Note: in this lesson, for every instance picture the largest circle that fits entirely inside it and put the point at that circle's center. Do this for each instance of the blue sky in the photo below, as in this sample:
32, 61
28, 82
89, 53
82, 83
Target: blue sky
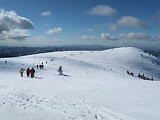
59, 22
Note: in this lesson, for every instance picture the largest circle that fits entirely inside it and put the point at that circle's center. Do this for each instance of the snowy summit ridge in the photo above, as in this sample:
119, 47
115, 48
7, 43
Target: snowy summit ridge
95, 85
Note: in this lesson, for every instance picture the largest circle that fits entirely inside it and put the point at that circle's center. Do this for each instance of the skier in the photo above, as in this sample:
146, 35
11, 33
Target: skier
28, 72
21, 72
32, 71
60, 70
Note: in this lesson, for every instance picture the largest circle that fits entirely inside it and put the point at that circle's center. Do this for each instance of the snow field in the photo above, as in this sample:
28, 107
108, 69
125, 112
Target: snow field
97, 86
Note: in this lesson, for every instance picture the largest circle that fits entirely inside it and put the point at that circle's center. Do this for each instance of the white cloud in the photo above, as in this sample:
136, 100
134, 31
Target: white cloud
48, 13
84, 37
156, 38
33, 41
102, 10
13, 26
128, 21
16, 34
139, 36
106, 36
54, 31
10, 20
103, 36
129, 36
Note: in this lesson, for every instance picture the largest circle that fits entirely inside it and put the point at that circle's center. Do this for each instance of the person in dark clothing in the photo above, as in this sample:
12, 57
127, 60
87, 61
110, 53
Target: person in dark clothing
60, 70
32, 71
28, 72
37, 66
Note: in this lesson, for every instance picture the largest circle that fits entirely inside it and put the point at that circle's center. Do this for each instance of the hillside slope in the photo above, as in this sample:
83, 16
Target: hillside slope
97, 86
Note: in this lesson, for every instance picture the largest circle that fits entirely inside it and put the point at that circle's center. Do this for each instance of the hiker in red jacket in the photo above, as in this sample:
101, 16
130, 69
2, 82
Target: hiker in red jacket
28, 72
32, 71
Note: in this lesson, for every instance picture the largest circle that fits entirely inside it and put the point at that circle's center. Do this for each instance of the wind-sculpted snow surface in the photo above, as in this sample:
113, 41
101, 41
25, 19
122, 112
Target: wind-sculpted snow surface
25, 106
94, 86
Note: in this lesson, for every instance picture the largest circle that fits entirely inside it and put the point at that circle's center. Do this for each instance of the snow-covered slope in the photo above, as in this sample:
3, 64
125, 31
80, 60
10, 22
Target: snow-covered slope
97, 86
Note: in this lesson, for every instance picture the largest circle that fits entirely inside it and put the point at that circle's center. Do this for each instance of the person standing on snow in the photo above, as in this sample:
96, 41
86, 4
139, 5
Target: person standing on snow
32, 71
60, 70
37, 66
28, 72
21, 72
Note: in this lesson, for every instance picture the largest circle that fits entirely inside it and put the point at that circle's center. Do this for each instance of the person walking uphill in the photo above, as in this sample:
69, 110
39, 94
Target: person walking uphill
32, 71
28, 72
21, 72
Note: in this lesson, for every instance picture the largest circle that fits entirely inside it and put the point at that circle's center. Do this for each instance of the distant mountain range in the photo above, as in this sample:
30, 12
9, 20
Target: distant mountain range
6, 51
12, 51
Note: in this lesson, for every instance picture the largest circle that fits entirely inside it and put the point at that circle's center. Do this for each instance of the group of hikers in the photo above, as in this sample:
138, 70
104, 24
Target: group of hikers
29, 72
41, 66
